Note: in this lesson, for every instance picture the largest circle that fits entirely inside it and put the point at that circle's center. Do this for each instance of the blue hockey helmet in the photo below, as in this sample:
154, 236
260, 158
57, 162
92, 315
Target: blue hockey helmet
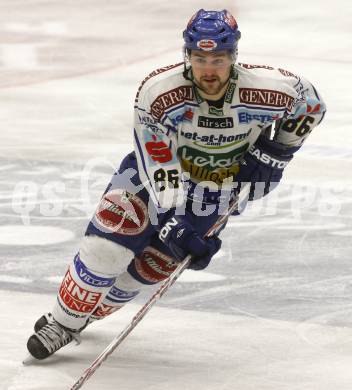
212, 31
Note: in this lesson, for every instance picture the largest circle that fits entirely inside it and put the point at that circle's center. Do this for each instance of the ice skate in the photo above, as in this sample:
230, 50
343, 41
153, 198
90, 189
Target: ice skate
48, 338
43, 320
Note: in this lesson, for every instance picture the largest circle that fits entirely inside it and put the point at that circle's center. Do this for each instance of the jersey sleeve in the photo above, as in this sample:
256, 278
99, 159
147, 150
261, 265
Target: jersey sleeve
307, 112
156, 151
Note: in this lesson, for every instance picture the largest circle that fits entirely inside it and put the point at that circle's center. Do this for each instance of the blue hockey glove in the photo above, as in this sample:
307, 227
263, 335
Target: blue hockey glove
262, 166
182, 239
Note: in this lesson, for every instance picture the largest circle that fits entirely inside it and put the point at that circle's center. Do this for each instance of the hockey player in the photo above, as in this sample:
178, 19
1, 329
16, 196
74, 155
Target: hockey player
199, 125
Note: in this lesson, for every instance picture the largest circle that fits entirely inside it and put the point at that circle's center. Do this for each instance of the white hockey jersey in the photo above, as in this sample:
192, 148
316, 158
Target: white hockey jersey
178, 135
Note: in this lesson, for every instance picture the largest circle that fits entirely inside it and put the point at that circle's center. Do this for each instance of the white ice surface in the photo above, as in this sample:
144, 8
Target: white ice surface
274, 311
175, 349
33, 235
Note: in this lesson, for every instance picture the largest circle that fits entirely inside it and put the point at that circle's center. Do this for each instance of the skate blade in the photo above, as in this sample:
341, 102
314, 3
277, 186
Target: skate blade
29, 360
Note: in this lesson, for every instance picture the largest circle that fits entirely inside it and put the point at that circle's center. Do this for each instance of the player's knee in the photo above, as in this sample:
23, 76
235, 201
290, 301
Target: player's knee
104, 256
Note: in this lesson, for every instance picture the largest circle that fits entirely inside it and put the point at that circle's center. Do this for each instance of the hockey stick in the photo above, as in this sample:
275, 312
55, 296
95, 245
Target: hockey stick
243, 195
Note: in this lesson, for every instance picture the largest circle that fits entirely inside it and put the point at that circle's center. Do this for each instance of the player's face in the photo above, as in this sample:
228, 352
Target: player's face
211, 71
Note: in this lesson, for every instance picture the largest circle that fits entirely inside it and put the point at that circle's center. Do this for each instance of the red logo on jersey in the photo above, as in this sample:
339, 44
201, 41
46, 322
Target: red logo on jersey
154, 265
287, 73
313, 109
158, 150
265, 97
76, 297
188, 115
122, 212
251, 66
169, 99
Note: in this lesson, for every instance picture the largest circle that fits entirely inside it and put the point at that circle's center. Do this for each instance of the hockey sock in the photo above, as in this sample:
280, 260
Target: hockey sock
81, 292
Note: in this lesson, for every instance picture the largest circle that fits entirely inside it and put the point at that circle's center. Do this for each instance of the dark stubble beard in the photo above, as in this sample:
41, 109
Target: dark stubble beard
203, 86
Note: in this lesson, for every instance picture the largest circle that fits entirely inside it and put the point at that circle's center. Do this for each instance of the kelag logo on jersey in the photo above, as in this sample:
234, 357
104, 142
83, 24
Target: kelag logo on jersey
215, 123
214, 167
211, 161
246, 116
